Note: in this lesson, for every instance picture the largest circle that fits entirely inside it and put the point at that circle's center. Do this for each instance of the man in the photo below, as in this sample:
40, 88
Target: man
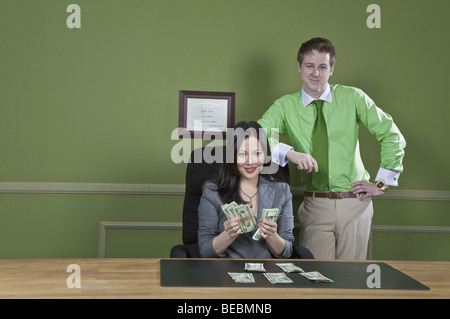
322, 122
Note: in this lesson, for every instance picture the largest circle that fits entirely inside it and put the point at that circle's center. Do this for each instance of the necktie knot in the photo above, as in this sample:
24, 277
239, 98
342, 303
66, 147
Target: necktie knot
318, 104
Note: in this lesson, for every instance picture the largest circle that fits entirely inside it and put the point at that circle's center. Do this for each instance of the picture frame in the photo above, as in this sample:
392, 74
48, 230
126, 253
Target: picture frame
207, 112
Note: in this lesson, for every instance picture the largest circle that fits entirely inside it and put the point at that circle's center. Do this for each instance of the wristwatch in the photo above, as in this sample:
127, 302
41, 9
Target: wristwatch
381, 186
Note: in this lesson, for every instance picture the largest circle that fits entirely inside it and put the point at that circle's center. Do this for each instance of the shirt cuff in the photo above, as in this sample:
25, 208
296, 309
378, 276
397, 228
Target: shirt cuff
387, 176
279, 154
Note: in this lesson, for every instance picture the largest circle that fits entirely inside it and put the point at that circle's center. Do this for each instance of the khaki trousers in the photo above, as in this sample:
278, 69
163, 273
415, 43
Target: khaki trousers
336, 228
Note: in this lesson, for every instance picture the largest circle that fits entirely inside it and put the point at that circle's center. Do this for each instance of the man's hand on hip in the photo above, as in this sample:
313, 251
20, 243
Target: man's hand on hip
367, 189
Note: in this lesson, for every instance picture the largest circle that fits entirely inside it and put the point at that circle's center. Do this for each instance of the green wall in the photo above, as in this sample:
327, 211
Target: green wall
99, 104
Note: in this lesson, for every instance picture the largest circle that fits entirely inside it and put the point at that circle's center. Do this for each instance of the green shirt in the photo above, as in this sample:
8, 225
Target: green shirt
349, 108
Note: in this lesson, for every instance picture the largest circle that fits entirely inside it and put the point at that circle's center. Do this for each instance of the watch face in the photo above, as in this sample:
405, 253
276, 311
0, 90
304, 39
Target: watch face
380, 184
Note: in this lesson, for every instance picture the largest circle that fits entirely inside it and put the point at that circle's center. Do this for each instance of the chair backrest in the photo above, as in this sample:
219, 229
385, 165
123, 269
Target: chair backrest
197, 173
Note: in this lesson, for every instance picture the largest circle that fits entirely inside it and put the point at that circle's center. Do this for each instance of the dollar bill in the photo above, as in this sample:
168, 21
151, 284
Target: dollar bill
248, 221
289, 267
256, 267
316, 276
242, 277
278, 278
270, 214
228, 210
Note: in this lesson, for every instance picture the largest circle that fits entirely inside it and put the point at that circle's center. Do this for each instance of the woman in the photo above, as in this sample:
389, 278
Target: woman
241, 181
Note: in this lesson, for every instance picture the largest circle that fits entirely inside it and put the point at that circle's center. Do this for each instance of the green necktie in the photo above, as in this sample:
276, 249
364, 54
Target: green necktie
320, 150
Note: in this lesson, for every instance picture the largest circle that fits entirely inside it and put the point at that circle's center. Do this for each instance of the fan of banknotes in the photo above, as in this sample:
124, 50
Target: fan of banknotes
247, 220
275, 278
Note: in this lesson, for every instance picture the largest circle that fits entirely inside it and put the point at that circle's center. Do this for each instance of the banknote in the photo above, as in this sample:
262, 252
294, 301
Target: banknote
289, 267
270, 214
256, 267
242, 277
278, 278
316, 276
228, 210
247, 220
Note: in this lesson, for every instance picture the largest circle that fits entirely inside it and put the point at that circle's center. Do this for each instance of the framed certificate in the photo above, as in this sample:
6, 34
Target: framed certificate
205, 112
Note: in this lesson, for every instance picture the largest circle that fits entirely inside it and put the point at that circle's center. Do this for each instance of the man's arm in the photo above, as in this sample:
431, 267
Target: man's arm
382, 126
273, 121
304, 162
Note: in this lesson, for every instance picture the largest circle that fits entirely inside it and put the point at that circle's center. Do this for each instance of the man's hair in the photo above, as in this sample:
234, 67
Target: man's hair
319, 44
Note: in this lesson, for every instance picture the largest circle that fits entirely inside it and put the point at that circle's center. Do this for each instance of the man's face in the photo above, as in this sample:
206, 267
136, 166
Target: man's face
315, 71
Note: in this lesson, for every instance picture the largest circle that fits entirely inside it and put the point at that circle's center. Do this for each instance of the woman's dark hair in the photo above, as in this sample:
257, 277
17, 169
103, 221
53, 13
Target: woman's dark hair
228, 179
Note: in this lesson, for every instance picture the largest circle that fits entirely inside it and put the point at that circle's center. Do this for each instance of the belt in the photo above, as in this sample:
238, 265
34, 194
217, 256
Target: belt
336, 195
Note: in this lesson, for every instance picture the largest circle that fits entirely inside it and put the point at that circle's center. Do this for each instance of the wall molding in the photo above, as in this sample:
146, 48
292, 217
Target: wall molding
411, 229
404, 229
177, 190
104, 226
402, 194
91, 188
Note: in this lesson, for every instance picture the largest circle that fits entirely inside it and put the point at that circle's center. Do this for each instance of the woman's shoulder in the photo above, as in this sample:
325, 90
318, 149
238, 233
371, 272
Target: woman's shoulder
277, 184
211, 194
273, 181
210, 188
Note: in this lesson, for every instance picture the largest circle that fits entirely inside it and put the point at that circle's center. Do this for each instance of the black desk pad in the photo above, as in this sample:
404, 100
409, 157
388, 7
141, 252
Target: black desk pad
347, 275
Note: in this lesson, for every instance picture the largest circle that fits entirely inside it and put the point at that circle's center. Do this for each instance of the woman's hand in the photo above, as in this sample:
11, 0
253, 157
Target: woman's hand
269, 233
232, 227
267, 228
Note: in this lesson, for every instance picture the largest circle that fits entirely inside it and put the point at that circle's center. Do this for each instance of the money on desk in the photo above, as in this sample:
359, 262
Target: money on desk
316, 276
242, 277
289, 267
270, 214
247, 220
254, 267
278, 278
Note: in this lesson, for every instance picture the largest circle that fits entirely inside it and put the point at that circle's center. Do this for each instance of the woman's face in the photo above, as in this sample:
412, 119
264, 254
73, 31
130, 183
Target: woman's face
250, 158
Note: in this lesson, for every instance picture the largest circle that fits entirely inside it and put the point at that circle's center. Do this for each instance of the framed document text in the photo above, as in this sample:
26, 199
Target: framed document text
210, 112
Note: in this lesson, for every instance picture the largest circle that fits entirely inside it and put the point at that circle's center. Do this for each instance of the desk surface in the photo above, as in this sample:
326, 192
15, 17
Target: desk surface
140, 278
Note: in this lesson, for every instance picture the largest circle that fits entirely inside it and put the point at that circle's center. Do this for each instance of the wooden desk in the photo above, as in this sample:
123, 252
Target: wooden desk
140, 278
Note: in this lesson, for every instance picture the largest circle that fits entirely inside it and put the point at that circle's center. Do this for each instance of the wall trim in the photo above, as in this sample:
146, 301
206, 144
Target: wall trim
403, 194
177, 190
104, 226
411, 229
91, 188
404, 229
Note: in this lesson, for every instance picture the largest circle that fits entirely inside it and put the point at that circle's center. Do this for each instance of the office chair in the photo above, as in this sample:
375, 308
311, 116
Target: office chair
196, 175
